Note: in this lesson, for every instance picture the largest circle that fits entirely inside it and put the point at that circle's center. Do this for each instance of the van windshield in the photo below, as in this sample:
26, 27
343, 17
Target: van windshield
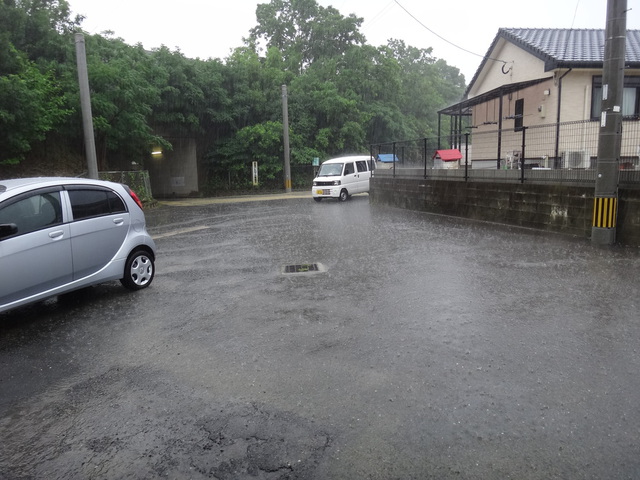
330, 169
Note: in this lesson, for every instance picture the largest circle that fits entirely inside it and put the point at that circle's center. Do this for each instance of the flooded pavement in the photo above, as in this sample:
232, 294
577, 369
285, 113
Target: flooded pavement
430, 347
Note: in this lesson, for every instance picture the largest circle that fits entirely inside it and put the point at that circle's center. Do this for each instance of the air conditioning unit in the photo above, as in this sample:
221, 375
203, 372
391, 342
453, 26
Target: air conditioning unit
576, 159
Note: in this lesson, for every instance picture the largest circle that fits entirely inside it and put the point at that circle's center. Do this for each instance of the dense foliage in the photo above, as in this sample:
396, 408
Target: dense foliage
343, 94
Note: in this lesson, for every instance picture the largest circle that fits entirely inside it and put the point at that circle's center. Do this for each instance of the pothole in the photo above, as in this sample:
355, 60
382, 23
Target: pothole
303, 268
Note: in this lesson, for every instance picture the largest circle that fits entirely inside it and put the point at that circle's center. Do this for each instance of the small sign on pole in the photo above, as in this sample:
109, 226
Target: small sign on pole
254, 172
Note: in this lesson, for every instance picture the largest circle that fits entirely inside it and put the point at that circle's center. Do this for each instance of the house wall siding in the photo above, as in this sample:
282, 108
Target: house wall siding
557, 208
539, 109
521, 67
576, 95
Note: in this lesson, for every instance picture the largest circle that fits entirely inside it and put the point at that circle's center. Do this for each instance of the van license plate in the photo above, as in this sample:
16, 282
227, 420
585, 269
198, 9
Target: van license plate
320, 192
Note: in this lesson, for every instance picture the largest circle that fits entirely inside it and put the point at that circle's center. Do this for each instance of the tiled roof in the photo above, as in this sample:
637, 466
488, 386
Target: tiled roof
569, 45
564, 47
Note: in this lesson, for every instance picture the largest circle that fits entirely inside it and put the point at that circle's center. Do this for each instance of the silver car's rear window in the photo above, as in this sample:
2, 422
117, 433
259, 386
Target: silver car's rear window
86, 203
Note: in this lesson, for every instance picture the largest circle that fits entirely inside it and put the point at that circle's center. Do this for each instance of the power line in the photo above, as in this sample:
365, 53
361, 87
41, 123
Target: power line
447, 41
575, 14
380, 14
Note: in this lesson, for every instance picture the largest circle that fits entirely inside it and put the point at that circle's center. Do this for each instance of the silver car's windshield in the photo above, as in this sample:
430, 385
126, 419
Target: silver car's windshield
330, 169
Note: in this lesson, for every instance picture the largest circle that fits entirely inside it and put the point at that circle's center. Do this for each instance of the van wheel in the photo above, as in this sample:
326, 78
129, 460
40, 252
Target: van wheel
317, 199
139, 270
344, 195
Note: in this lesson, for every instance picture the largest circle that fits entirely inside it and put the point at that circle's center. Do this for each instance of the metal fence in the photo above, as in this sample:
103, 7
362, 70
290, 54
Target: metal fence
138, 181
240, 180
556, 153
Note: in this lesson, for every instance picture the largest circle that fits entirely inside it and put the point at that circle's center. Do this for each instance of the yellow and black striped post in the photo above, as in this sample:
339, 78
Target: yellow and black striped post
605, 212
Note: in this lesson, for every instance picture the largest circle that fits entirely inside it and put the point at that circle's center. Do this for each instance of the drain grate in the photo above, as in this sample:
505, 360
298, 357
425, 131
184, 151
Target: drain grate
304, 268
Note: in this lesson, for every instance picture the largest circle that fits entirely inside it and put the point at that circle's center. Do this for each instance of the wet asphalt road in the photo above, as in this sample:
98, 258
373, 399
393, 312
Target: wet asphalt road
430, 348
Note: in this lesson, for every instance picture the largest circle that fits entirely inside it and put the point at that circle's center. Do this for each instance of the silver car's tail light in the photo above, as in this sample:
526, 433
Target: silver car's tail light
136, 199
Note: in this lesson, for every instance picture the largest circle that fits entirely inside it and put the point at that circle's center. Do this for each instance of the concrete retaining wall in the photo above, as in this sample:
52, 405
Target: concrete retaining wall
558, 208
174, 173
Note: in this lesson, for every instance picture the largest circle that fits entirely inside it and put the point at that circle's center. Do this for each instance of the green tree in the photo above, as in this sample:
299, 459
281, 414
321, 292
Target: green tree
427, 85
305, 32
38, 28
343, 94
181, 98
244, 85
215, 117
125, 85
324, 115
194, 100
30, 106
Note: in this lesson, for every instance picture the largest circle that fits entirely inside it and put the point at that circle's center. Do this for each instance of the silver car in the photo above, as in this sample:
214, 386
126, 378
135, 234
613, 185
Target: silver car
62, 234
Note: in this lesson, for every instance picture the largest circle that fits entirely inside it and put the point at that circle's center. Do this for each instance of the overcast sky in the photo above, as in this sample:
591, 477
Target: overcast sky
212, 28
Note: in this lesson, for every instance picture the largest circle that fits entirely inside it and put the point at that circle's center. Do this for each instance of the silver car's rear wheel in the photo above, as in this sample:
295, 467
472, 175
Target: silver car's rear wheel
139, 270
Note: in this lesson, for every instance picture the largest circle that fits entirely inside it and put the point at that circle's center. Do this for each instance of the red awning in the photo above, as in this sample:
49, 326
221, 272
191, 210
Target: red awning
448, 155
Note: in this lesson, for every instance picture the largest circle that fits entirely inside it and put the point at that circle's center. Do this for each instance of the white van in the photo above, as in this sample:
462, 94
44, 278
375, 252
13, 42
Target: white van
342, 177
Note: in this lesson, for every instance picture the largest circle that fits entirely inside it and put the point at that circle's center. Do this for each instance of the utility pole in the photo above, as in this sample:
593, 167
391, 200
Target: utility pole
85, 104
285, 122
605, 207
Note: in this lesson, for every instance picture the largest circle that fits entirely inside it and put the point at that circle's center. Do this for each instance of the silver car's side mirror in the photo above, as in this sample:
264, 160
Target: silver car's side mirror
8, 229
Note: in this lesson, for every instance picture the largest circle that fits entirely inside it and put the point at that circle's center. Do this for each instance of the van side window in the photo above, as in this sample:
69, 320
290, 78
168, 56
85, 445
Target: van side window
348, 168
362, 165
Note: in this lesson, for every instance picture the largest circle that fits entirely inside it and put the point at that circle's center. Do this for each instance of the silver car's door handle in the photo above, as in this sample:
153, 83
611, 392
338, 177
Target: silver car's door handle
118, 221
56, 234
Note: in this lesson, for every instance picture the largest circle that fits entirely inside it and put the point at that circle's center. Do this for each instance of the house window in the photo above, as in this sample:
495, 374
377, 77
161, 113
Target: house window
630, 98
519, 115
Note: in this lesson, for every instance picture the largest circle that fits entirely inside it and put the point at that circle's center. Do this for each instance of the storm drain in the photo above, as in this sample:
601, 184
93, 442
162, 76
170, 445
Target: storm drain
302, 268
